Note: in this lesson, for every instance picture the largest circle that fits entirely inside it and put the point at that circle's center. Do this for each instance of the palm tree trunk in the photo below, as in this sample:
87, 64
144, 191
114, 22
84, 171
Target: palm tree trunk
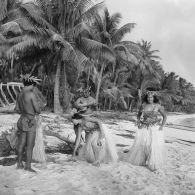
130, 105
66, 91
12, 68
57, 106
104, 107
99, 83
140, 90
110, 104
33, 68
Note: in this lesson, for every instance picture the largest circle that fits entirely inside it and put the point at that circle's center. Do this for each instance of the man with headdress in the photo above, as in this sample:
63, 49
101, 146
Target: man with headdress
28, 106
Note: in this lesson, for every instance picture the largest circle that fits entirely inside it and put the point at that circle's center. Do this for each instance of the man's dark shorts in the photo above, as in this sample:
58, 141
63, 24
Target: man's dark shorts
27, 123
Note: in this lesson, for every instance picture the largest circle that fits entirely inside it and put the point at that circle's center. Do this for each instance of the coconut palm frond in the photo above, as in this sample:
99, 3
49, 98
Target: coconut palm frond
126, 91
69, 54
12, 14
3, 9
121, 32
90, 13
11, 27
127, 85
84, 60
26, 43
59, 39
83, 5
111, 92
105, 36
97, 24
168, 96
115, 20
2, 38
27, 27
15, 40
150, 82
118, 95
48, 8
155, 57
42, 4
187, 101
133, 47
80, 28
24, 23
122, 47
30, 10
97, 48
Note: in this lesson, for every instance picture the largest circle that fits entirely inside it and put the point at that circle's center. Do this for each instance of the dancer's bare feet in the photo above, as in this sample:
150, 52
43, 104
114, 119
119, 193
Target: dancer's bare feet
20, 166
96, 163
29, 169
73, 159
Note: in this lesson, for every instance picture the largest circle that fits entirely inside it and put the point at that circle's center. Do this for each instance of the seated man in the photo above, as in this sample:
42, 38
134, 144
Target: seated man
83, 105
85, 102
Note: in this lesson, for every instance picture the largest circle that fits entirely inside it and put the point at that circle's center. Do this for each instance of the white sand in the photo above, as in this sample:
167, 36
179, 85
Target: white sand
63, 177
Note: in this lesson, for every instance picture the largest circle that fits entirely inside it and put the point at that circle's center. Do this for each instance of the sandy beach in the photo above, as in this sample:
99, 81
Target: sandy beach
59, 176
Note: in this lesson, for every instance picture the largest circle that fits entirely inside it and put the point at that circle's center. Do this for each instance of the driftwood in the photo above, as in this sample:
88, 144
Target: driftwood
51, 132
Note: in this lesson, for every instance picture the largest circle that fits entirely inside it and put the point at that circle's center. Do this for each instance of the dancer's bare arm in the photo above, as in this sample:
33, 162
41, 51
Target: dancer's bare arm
139, 114
82, 102
35, 104
78, 139
16, 109
163, 113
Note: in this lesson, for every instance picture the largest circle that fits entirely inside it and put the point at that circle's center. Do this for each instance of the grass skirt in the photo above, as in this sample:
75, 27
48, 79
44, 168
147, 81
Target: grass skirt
147, 149
91, 152
39, 148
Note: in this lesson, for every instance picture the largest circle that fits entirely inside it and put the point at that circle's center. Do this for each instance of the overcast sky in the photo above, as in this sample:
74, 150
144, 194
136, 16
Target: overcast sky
168, 24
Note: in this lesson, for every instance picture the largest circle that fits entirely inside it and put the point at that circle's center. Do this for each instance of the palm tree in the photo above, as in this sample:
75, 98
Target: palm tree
105, 29
60, 27
186, 91
169, 91
8, 30
145, 69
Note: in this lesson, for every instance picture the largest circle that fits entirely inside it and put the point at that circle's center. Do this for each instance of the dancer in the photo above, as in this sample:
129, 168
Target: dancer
28, 106
148, 146
98, 147
83, 104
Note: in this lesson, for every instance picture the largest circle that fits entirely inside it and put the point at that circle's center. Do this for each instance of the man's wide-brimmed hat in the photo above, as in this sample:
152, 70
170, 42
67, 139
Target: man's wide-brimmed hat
30, 78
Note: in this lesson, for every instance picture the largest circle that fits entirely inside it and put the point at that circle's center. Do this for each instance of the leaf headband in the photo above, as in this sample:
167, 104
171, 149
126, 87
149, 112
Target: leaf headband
29, 78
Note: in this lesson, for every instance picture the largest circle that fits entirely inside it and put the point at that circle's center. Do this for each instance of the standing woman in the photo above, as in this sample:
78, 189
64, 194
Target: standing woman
148, 146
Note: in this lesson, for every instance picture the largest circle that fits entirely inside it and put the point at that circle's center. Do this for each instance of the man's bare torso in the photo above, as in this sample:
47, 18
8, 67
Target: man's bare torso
26, 103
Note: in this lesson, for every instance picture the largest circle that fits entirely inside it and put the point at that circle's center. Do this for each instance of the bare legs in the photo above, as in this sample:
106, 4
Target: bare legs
28, 139
29, 149
22, 143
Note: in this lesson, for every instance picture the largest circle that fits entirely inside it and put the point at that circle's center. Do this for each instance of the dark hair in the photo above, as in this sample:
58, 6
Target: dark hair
145, 98
77, 116
28, 82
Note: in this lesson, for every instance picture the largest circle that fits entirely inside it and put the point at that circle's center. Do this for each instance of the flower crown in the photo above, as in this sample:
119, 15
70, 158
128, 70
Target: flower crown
29, 78
150, 93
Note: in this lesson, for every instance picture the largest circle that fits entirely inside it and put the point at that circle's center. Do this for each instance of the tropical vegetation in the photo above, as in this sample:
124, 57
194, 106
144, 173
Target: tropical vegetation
64, 42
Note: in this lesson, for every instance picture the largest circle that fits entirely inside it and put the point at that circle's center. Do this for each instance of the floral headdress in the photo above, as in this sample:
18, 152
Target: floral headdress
29, 78
82, 92
150, 93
